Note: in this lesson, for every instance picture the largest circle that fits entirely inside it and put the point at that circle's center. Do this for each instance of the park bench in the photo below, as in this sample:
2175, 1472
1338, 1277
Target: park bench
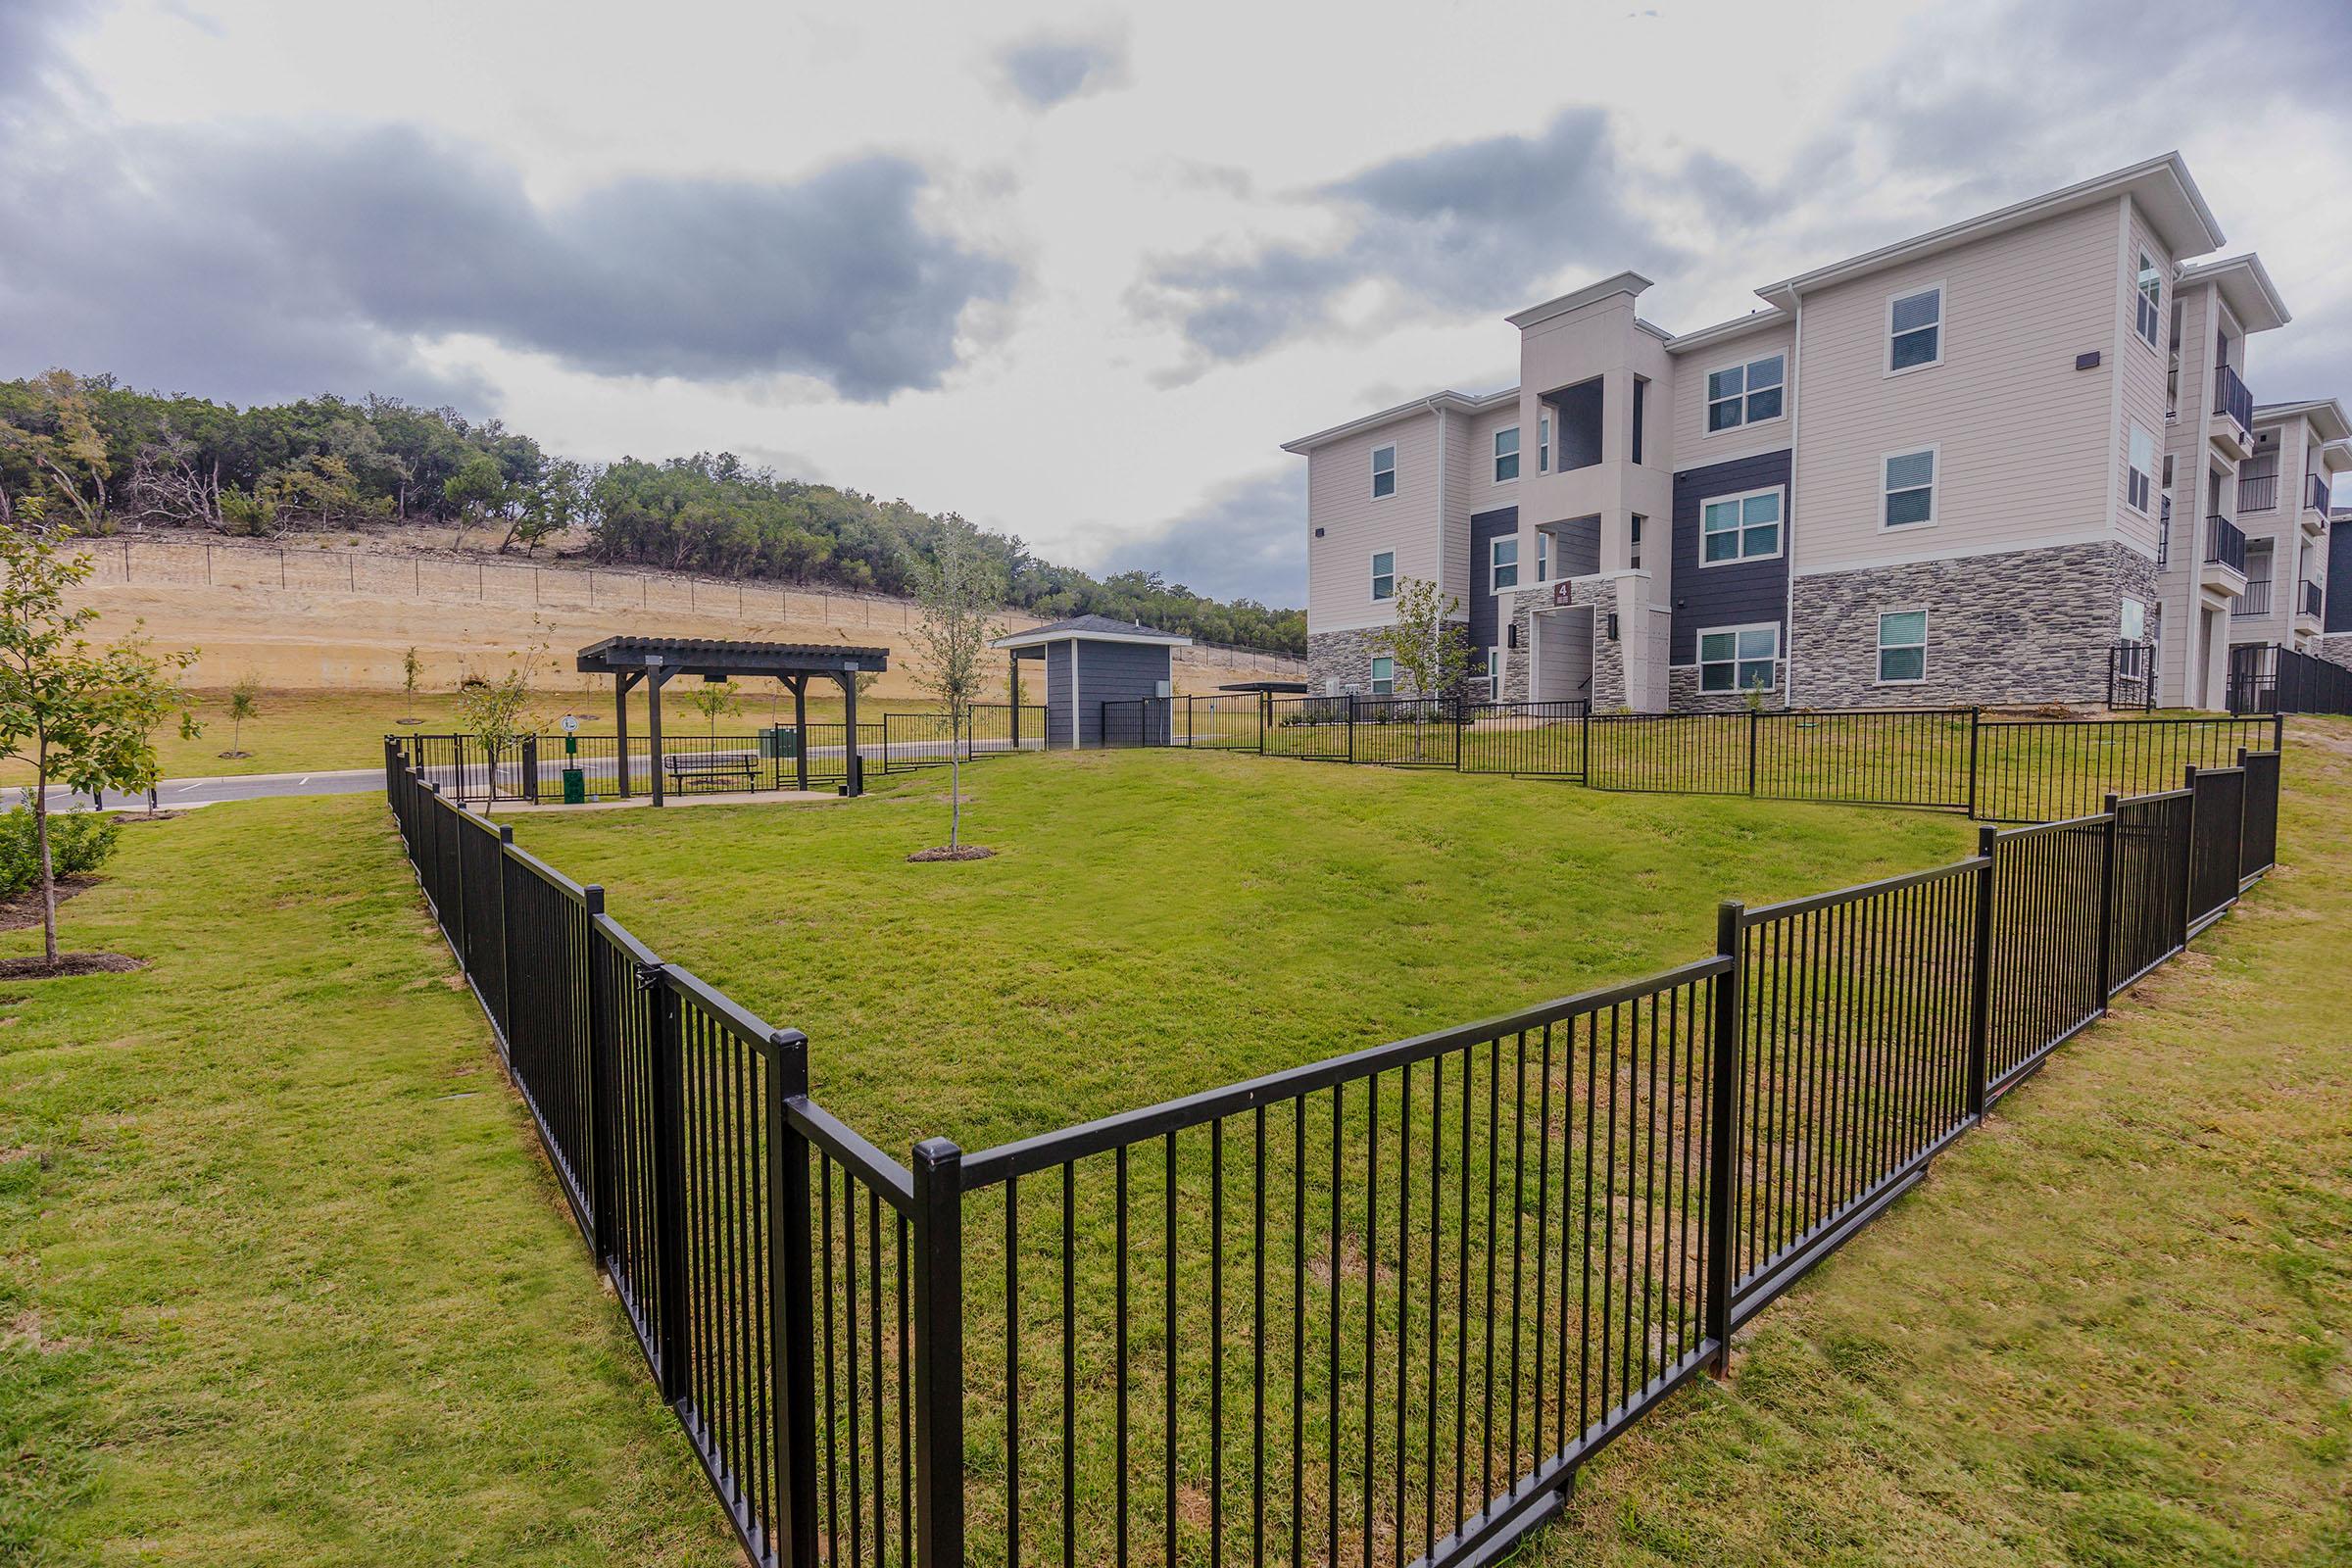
719, 767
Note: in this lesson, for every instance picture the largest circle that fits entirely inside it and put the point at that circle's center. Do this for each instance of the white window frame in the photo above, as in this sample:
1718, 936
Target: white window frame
1707, 385
1878, 646
2153, 331
1741, 499
1382, 685
1379, 493
1543, 444
1935, 452
1542, 556
1373, 586
1495, 562
2123, 618
1494, 674
2145, 506
1701, 662
1944, 328
1512, 431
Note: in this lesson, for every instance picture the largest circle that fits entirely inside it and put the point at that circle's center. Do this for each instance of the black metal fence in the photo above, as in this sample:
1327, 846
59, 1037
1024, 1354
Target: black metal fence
1943, 759
1376, 1308
2269, 678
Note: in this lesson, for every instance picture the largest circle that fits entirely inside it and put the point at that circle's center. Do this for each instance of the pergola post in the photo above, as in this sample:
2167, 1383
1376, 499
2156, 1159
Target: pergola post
655, 677
621, 724
800, 727
849, 708
1013, 658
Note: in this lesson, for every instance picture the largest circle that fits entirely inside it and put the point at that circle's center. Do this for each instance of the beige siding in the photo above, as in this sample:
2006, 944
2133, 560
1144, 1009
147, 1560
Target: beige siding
2140, 376
1339, 502
2022, 435
1692, 446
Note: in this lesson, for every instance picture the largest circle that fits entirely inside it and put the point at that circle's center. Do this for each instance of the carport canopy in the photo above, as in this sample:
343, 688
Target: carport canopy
657, 660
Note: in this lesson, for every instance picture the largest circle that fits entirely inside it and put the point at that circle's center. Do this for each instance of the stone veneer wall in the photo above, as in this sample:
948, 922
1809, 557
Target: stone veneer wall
1346, 657
1684, 696
2027, 626
2336, 649
1608, 658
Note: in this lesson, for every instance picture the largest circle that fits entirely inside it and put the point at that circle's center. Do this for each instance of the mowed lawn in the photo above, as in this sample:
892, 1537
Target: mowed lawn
1153, 924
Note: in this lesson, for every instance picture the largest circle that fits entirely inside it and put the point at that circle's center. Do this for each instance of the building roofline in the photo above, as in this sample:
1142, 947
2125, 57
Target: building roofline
1449, 400
1720, 331
2191, 230
1628, 282
2246, 288
2327, 412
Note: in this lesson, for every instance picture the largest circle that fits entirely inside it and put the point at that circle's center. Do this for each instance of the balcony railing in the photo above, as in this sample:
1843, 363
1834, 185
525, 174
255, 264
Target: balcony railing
2311, 601
2319, 497
2257, 492
2164, 533
2231, 396
2255, 600
2224, 544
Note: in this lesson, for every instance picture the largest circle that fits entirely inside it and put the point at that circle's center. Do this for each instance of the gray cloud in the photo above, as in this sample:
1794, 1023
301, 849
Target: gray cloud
1055, 67
1474, 226
1248, 539
255, 266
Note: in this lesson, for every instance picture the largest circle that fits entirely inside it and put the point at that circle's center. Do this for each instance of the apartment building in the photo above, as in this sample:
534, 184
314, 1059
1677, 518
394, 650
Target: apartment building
1962, 468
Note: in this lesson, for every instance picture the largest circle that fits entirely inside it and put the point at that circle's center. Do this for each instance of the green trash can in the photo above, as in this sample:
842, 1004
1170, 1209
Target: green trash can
781, 743
575, 787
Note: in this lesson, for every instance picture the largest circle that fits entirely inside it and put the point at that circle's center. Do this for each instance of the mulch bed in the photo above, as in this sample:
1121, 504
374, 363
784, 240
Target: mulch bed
70, 963
963, 852
23, 909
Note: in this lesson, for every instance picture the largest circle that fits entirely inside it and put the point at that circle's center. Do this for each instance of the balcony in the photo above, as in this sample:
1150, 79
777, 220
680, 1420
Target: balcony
2255, 600
2222, 576
2316, 497
2309, 602
2257, 492
2163, 534
2233, 412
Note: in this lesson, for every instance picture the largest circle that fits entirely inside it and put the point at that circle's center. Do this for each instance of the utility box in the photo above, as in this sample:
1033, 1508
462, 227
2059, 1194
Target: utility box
575, 787
781, 742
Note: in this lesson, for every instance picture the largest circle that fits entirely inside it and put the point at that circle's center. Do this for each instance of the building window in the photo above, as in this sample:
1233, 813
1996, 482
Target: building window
1902, 647
1739, 658
1909, 479
1915, 330
1384, 471
1544, 446
1744, 394
2133, 627
2148, 294
1741, 527
1493, 675
1384, 675
1634, 557
2139, 480
1506, 455
1503, 561
1384, 574
1542, 556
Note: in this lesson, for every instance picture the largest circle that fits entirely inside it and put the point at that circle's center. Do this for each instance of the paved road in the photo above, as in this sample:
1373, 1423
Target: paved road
177, 792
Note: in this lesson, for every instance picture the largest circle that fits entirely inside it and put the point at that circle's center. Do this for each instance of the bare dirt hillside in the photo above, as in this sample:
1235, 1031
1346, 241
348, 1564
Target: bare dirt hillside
342, 613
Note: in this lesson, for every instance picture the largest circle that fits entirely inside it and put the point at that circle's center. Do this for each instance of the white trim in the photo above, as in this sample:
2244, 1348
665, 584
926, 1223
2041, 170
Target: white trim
2139, 291
1699, 662
1515, 454
1373, 680
1738, 326
1459, 401
2133, 428
1372, 484
1779, 526
1042, 638
1943, 312
1878, 652
1493, 566
1372, 576
1707, 400
1796, 344
1934, 487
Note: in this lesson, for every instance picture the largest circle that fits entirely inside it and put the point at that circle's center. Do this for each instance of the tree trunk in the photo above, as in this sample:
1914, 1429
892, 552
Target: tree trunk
954, 795
40, 835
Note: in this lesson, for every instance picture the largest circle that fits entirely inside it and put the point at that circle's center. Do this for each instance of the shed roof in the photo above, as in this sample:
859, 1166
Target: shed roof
1092, 628
717, 657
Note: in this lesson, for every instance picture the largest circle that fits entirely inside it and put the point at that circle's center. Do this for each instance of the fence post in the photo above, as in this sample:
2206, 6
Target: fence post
1753, 719
939, 1353
1976, 725
1351, 726
1979, 984
668, 1063
601, 1138
506, 941
1585, 733
2107, 894
2278, 731
792, 1318
1723, 1154
530, 765
2189, 857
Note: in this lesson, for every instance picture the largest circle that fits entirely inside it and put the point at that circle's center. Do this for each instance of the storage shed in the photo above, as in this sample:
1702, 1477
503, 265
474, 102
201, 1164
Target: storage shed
1090, 660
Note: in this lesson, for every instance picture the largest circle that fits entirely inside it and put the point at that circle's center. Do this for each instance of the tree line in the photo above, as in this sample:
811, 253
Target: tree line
103, 457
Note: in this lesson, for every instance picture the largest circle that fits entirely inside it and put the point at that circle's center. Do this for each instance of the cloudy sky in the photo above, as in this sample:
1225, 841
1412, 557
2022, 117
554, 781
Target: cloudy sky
1071, 271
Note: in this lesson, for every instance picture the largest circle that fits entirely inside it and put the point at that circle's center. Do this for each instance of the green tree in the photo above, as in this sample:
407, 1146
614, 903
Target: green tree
496, 713
1431, 648
477, 492
714, 699
412, 670
957, 587
244, 703
79, 714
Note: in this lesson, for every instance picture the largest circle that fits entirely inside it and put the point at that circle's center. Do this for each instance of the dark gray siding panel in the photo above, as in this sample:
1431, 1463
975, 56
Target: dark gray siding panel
1579, 543
1484, 619
1111, 673
1057, 696
2338, 608
1736, 592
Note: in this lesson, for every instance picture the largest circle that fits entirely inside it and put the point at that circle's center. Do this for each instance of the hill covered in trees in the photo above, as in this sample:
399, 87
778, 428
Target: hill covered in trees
100, 457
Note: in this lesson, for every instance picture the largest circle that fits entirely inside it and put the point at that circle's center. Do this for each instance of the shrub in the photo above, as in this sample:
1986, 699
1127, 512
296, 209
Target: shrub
78, 841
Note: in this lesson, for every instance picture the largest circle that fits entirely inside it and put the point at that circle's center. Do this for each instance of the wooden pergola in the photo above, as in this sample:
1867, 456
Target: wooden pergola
657, 660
